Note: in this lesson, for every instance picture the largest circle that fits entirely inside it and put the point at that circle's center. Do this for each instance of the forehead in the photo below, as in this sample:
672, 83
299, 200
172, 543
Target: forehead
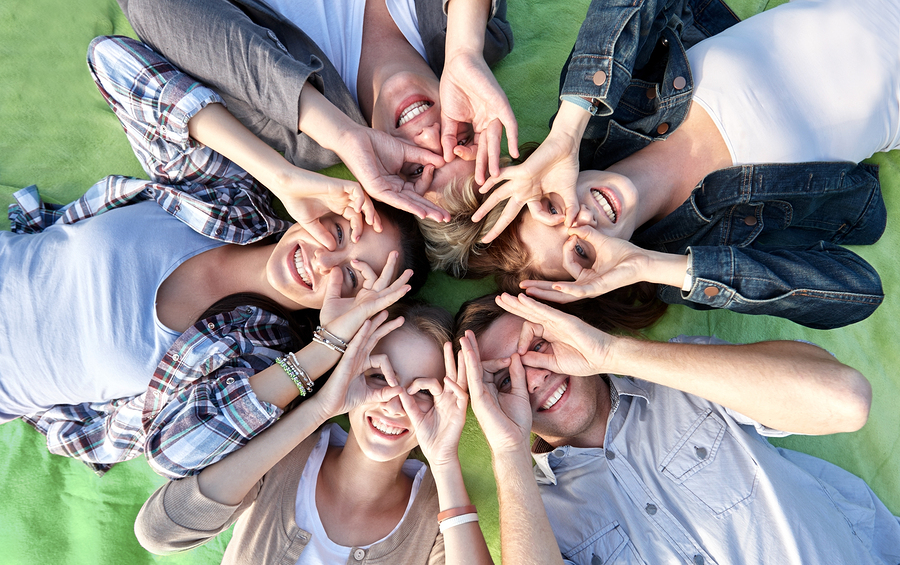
373, 247
458, 169
544, 244
501, 338
412, 355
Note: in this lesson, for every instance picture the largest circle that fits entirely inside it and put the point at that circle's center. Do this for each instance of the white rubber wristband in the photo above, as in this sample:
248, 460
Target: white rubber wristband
457, 521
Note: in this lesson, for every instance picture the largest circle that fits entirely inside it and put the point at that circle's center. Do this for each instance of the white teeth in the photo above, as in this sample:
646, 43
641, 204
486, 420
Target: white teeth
556, 396
412, 111
386, 428
301, 268
605, 204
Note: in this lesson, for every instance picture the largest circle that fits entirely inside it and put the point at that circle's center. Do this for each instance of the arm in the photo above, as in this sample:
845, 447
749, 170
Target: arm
785, 385
505, 417
438, 431
470, 93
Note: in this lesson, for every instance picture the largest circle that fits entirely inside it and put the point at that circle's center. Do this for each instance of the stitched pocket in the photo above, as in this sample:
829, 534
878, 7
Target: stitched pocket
609, 545
710, 464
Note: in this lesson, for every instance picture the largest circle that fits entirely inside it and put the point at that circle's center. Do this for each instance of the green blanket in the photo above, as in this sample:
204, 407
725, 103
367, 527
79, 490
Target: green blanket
57, 132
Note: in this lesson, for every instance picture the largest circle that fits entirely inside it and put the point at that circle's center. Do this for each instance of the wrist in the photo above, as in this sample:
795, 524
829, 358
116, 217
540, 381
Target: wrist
570, 122
666, 268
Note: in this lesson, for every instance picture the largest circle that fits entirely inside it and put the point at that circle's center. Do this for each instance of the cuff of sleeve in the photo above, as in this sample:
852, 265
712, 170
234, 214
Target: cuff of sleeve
581, 102
592, 77
493, 7
688, 274
180, 100
186, 506
706, 269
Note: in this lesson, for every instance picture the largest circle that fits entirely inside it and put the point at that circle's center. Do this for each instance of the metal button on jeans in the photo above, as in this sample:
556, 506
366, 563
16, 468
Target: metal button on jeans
750, 220
711, 291
650, 508
651, 93
663, 128
679, 83
599, 78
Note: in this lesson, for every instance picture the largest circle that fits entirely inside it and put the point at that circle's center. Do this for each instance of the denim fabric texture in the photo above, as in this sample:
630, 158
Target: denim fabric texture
636, 51
766, 239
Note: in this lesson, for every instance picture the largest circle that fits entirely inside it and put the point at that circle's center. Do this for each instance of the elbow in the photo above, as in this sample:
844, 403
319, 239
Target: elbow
151, 537
855, 401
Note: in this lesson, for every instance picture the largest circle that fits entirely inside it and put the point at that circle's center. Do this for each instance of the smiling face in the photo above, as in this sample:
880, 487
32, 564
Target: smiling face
408, 107
299, 265
565, 410
382, 429
609, 204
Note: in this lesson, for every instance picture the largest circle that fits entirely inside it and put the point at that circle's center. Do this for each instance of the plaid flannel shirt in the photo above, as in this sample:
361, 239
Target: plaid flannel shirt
198, 406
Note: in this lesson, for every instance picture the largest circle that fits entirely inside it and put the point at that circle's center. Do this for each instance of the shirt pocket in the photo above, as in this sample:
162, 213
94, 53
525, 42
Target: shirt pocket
711, 465
608, 546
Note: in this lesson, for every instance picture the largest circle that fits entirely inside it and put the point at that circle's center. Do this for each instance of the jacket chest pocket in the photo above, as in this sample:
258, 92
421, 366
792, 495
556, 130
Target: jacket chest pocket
711, 465
745, 223
608, 546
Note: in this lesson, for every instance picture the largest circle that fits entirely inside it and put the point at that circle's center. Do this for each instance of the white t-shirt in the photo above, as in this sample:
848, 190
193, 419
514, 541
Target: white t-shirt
812, 80
336, 26
320, 548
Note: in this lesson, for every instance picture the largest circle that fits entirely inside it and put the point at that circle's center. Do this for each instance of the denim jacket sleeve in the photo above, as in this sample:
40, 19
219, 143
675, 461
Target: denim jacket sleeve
767, 239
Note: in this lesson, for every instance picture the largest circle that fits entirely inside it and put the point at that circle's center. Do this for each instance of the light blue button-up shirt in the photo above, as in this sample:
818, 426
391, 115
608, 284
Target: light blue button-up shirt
684, 480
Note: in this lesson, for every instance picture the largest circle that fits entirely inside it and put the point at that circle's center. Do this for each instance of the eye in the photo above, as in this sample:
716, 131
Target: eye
465, 140
580, 251
552, 209
376, 379
340, 233
426, 394
505, 385
539, 346
351, 274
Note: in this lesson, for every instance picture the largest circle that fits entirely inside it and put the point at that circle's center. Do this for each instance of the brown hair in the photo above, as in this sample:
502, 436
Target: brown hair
630, 314
427, 319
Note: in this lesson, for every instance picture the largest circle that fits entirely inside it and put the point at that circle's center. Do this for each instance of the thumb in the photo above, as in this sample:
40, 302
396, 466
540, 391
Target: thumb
449, 128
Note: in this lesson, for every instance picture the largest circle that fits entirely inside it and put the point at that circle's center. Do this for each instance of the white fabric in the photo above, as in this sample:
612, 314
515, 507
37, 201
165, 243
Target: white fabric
336, 26
320, 548
812, 80
96, 279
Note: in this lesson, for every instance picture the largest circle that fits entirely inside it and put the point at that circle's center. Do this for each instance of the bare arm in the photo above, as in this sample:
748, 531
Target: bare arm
786, 385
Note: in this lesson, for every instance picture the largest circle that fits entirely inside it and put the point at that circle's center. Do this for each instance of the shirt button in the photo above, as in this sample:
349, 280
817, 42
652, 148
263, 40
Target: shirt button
651, 93
558, 452
663, 128
679, 83
219, 231
175, 357
701, 452
650, 508
177, 207
162, 130
610, 455
698, 559
750, 220
229, 381
711, 291
211, 326
599, 78
359, 554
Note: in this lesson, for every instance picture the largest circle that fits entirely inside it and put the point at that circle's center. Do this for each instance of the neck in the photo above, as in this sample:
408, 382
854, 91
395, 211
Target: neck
666, 172
385, 52
242, 269
349, 475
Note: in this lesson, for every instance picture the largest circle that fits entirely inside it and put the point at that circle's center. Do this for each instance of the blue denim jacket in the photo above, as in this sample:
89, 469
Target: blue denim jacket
630, 61
764, 239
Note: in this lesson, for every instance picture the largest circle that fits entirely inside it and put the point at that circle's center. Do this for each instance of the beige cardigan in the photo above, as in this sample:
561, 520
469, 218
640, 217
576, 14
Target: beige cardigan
178, 517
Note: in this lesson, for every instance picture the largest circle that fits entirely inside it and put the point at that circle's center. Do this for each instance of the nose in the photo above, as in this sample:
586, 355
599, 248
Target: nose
325, 260
534, 378
429, 137
393, 407
585, 217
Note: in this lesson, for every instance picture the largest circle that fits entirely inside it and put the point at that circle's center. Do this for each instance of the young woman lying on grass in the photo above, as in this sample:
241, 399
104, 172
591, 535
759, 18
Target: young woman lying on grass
170, 330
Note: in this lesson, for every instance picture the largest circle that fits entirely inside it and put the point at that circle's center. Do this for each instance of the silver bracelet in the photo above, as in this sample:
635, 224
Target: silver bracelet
329, 340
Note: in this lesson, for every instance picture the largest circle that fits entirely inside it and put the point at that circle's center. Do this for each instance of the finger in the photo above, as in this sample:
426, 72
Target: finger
385, 394
368, 211
561, 293
423, 183
356, 223
382, 329
529, 332
383, 364
467, 152
481, 157
320, 234
432, 210
517, 376
494, 140
333, 285
462, 398
571, 203
430, 384
395, 200
415, 154
450, 370
449, 128
368, 274
521, 306
512, 131
494, 181
411, 407
494, 365
388, 273
509, 214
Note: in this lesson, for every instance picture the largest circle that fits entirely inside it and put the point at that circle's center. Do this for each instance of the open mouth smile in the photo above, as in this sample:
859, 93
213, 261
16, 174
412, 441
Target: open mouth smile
606, 203
412, 110
554, 398
302, 268
386, 429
